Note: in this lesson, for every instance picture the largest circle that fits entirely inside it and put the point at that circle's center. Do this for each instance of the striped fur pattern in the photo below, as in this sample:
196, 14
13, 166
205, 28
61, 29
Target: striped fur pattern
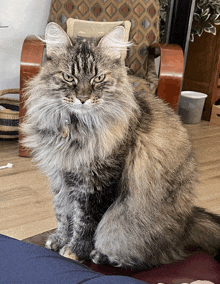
120, 163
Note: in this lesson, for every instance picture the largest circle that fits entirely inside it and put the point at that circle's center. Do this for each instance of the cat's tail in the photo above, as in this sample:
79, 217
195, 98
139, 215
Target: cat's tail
204, 230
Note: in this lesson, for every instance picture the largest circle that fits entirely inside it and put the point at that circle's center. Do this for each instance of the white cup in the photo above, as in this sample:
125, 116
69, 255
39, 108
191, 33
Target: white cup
190, 106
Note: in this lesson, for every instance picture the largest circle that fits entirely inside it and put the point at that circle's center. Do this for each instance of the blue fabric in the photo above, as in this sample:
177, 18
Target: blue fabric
23, 263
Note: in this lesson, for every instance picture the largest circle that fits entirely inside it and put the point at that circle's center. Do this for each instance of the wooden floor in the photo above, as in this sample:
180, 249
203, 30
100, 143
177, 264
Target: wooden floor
26, 202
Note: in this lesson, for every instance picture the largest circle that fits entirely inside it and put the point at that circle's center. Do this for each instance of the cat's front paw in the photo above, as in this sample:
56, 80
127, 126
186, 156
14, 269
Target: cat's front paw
54, 243
67, 252
100, 258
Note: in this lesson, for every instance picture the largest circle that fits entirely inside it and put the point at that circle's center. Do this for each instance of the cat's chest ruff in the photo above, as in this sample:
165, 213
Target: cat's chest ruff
83, 150
76, 145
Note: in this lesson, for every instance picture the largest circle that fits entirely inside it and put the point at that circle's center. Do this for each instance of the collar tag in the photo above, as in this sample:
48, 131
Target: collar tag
66, 130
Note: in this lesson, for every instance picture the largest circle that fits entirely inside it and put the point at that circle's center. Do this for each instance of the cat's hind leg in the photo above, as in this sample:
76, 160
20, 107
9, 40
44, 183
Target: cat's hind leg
118, 241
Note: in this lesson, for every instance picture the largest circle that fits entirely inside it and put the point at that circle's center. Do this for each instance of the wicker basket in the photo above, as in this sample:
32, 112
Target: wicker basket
9, 117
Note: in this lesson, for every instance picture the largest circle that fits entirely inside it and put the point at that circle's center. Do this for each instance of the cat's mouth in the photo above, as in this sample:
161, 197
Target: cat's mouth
80, 104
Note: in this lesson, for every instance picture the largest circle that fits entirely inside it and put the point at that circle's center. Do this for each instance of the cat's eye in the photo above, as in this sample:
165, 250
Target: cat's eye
99, 79
69, 78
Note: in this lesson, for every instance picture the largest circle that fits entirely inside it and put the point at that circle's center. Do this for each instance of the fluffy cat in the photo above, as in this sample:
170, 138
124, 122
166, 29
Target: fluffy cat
120, 162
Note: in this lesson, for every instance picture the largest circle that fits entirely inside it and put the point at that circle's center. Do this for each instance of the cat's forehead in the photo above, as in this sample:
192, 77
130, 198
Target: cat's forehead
84, 46
84, 59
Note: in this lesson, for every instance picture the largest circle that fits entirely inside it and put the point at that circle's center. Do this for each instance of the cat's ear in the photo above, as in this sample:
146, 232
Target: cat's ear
55, 38
113, 43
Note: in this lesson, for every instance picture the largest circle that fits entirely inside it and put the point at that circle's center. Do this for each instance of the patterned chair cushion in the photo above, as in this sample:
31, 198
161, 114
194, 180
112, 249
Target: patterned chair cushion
143, 15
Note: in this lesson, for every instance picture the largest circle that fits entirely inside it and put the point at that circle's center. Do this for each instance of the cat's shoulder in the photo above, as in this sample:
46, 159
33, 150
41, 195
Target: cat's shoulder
155, 115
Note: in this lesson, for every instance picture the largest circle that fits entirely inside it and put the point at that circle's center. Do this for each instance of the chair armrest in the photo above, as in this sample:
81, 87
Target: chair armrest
171, 71
31, 60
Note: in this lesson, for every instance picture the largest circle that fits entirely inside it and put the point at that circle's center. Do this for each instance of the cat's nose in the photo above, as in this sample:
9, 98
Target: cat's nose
83, 99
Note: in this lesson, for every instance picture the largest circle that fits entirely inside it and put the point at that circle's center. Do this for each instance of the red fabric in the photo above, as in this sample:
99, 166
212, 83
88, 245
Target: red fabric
198, 266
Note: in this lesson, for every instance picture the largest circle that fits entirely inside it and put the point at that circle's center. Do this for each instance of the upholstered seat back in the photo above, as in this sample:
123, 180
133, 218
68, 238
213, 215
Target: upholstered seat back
143, 15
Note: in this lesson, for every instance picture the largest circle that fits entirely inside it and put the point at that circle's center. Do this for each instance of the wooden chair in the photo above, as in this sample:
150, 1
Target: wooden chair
144, 18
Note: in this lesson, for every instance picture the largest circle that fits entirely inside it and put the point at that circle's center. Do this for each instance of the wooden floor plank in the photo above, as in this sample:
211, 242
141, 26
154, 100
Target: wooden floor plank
206, 144
26, 201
